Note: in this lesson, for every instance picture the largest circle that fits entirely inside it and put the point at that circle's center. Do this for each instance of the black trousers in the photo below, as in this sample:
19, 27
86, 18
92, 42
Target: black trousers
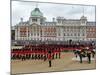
59, 55
89, 59
49, 63
80, 58
56, 55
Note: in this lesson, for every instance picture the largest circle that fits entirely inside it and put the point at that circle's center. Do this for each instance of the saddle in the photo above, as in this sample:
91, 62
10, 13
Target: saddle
84, 54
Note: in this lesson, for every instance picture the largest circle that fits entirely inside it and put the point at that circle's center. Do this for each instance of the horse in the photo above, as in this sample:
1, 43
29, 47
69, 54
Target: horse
84, 53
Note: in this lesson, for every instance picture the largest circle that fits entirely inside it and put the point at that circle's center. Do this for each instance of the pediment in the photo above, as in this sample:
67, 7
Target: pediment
34, 24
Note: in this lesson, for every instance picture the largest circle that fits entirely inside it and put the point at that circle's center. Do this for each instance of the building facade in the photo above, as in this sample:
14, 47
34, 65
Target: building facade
60, 29
91, 31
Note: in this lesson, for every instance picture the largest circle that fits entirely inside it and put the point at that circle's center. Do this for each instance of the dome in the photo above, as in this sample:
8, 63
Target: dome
36, 12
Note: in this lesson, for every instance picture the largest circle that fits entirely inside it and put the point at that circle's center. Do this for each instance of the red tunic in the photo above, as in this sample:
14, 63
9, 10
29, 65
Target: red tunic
49, 56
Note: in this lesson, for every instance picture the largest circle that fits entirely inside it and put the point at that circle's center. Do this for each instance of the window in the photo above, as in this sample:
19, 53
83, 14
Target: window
38, 34
74, 34
67, 29
64, 34
68, 34
34, 20
37, 38
59, 34
34, 34
59, 21
83, 21
71, 34
31, 34
64, 29
78, 34
83, 34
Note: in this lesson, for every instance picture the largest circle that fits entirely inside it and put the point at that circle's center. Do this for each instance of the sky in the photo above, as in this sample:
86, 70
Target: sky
23, 10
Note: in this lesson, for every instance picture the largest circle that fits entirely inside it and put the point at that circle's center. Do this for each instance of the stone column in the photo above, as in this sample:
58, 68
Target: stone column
27, 38
16, 33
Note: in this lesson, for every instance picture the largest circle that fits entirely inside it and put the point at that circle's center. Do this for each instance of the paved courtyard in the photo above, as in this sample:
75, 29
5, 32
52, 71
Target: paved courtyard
65, 63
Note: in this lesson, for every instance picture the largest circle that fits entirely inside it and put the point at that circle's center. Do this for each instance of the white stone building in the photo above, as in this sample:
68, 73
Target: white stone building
60, 29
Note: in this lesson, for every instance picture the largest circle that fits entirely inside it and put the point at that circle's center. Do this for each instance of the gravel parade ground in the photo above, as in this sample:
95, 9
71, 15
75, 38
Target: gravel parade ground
64, 64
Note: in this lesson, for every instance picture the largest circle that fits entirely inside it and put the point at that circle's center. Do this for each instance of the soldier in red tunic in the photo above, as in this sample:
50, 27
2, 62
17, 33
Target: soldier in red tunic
56, 51
49, 57
59, 53
45, 53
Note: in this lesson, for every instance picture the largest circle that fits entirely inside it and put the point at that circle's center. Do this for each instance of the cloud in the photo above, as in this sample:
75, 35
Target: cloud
23, 9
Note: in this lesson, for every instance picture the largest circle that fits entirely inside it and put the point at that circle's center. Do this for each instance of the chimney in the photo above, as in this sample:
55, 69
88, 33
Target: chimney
21, 19
53, 19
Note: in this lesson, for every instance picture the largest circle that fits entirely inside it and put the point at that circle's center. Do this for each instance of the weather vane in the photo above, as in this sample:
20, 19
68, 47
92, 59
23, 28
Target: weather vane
36, 5
83, 11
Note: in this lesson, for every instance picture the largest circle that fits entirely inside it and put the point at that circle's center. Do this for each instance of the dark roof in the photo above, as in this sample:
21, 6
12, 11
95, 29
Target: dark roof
71, 21
50, 23
23, 23
91, 23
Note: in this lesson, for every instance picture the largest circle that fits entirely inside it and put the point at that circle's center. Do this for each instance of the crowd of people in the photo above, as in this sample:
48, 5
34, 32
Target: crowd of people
49, 52
36, 52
